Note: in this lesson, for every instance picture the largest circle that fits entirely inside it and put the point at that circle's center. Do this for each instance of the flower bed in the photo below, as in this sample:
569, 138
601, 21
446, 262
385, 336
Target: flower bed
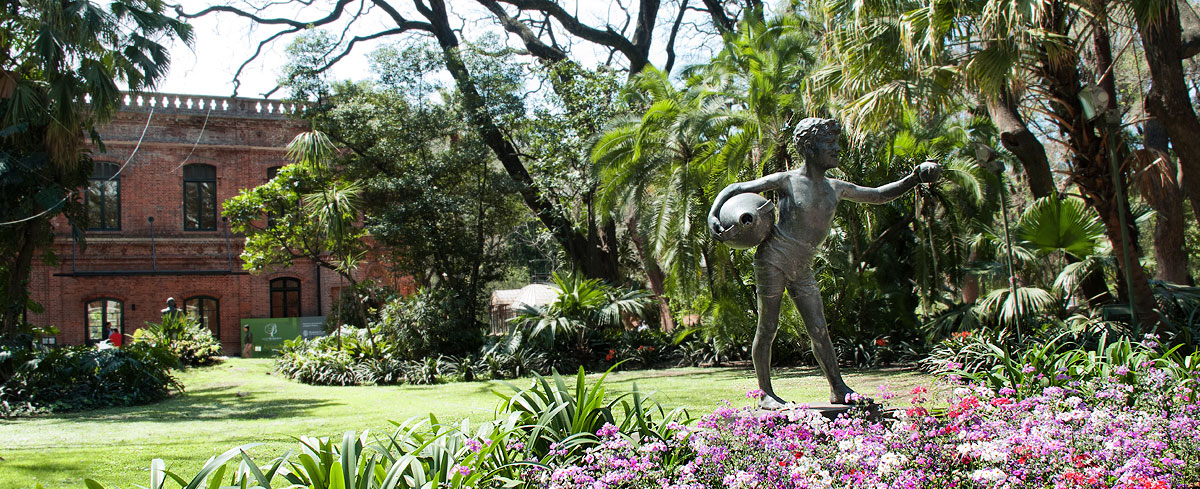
1123, 436
1133, 430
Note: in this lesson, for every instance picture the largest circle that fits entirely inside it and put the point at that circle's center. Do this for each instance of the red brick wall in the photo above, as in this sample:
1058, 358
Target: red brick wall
121, 264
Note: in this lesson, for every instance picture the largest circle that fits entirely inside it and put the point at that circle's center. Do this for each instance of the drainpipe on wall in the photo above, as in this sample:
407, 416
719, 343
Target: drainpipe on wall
320, 293
153, 252
228, 252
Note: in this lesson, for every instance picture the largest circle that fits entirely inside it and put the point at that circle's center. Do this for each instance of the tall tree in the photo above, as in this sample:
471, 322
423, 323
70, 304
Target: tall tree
1159, 24
1042, 49
312, 213
547, 29
61, 66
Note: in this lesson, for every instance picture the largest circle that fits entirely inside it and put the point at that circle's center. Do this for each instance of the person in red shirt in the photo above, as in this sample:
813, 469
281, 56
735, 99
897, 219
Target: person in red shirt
115, 338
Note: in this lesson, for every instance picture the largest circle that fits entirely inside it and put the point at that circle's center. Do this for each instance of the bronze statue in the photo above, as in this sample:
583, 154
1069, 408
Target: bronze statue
171, 311
807, 201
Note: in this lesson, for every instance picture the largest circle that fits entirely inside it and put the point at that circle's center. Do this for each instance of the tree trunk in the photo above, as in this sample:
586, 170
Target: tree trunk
1159, 185
1020, 141
1189, 24
1091, 169
1168, 99
654, 274
18, 277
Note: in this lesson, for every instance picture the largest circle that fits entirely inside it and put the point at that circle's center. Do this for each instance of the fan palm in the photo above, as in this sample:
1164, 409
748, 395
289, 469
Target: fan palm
1066, 224
989, 47
61, 67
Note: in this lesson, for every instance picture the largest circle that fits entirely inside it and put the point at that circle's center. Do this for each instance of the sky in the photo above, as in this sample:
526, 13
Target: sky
223, 41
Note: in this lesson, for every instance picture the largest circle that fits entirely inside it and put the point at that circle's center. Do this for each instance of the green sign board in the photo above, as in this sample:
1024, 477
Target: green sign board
270, 333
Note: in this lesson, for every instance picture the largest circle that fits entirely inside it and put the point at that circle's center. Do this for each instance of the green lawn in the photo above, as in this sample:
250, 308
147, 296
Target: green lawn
244, 401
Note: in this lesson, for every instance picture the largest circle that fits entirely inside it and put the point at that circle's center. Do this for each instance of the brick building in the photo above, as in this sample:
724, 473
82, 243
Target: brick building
156, 229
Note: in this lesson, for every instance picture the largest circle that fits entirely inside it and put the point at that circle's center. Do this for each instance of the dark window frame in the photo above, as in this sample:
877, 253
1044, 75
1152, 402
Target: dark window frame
120, 325
199, 182
282, 287
215, 323
103, 171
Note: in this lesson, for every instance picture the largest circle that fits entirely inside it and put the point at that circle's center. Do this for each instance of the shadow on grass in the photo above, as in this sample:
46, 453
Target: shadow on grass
206, 404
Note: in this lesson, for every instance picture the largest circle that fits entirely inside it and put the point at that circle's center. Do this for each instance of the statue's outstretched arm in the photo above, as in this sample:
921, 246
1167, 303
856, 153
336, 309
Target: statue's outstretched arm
926, 172
770, 182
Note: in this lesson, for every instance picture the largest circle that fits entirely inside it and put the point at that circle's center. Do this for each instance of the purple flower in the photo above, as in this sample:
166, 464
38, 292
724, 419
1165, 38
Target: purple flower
607, 431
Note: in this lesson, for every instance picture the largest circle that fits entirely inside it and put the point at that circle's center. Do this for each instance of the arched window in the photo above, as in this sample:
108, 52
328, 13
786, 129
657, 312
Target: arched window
103, 197
206, 310
200, 197
285, 298
103, 314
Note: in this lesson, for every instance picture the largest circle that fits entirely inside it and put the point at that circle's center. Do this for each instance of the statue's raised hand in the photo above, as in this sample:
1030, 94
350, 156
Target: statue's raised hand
714, 223
928, 172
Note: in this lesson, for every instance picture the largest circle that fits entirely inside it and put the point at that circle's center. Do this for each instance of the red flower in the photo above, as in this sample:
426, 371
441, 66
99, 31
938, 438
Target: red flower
962, 334
881, 342
611, 354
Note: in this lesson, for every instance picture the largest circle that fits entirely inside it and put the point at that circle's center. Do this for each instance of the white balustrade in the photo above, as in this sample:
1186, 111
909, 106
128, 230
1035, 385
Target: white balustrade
209, 105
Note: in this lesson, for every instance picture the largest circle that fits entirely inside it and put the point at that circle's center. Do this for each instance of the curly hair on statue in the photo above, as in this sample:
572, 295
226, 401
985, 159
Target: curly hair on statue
811, 130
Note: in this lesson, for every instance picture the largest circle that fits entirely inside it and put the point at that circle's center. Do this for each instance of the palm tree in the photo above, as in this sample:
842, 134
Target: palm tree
990, 46
60, 65
583, 306
730, 122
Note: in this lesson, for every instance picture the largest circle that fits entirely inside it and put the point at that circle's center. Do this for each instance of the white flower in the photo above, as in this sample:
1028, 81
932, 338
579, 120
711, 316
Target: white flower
891, 461
983, 476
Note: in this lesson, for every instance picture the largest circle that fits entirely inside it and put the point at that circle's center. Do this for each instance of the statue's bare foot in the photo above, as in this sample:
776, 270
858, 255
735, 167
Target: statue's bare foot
771, 402
846, 395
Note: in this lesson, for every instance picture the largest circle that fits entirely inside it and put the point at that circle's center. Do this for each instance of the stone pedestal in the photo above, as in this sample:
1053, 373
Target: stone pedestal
832, 411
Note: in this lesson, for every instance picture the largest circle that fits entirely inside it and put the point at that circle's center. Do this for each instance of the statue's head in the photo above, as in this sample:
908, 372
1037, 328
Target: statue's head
814, 133
170, 302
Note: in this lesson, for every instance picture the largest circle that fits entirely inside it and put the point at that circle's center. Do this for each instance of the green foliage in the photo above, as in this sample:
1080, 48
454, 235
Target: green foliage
1027, 368
1067, 225
75, 378
192, 343
310, 212
559, 416
429, 323
548, 424
431, 194
583, 308
350, 356
60, 67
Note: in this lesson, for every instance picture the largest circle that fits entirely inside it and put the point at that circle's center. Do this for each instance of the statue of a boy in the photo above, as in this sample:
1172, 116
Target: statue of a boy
807, 201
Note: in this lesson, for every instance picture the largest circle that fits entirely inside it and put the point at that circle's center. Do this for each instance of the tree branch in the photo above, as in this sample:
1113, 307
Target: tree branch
720, 18
338, 9
671, 40
536, 46
606, 37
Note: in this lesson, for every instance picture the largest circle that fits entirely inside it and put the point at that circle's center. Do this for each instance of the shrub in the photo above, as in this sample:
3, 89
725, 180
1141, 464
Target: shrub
570, 327
193, 344
74, 378
547, 425
350, 358
429, 323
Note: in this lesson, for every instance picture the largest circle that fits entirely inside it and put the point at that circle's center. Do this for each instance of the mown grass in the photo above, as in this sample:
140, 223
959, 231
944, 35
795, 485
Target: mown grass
244, 401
